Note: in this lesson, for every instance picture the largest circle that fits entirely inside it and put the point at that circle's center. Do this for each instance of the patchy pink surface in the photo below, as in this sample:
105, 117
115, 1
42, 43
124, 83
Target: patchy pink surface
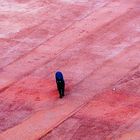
97, 46
108, 116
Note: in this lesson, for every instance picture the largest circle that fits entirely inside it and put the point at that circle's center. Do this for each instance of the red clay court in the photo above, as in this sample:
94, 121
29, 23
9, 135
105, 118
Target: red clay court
95, 43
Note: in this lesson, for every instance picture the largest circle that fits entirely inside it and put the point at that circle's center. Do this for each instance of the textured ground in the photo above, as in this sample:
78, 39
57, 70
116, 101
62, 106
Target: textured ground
96, 43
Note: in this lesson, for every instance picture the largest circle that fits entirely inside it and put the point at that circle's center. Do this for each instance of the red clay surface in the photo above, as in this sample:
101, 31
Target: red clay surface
96, 44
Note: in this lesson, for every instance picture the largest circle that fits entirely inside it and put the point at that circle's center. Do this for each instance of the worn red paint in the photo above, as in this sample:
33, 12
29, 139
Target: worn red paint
94, 43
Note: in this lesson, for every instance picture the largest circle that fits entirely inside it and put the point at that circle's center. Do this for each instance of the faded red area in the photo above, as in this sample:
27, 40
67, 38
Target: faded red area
96, 44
